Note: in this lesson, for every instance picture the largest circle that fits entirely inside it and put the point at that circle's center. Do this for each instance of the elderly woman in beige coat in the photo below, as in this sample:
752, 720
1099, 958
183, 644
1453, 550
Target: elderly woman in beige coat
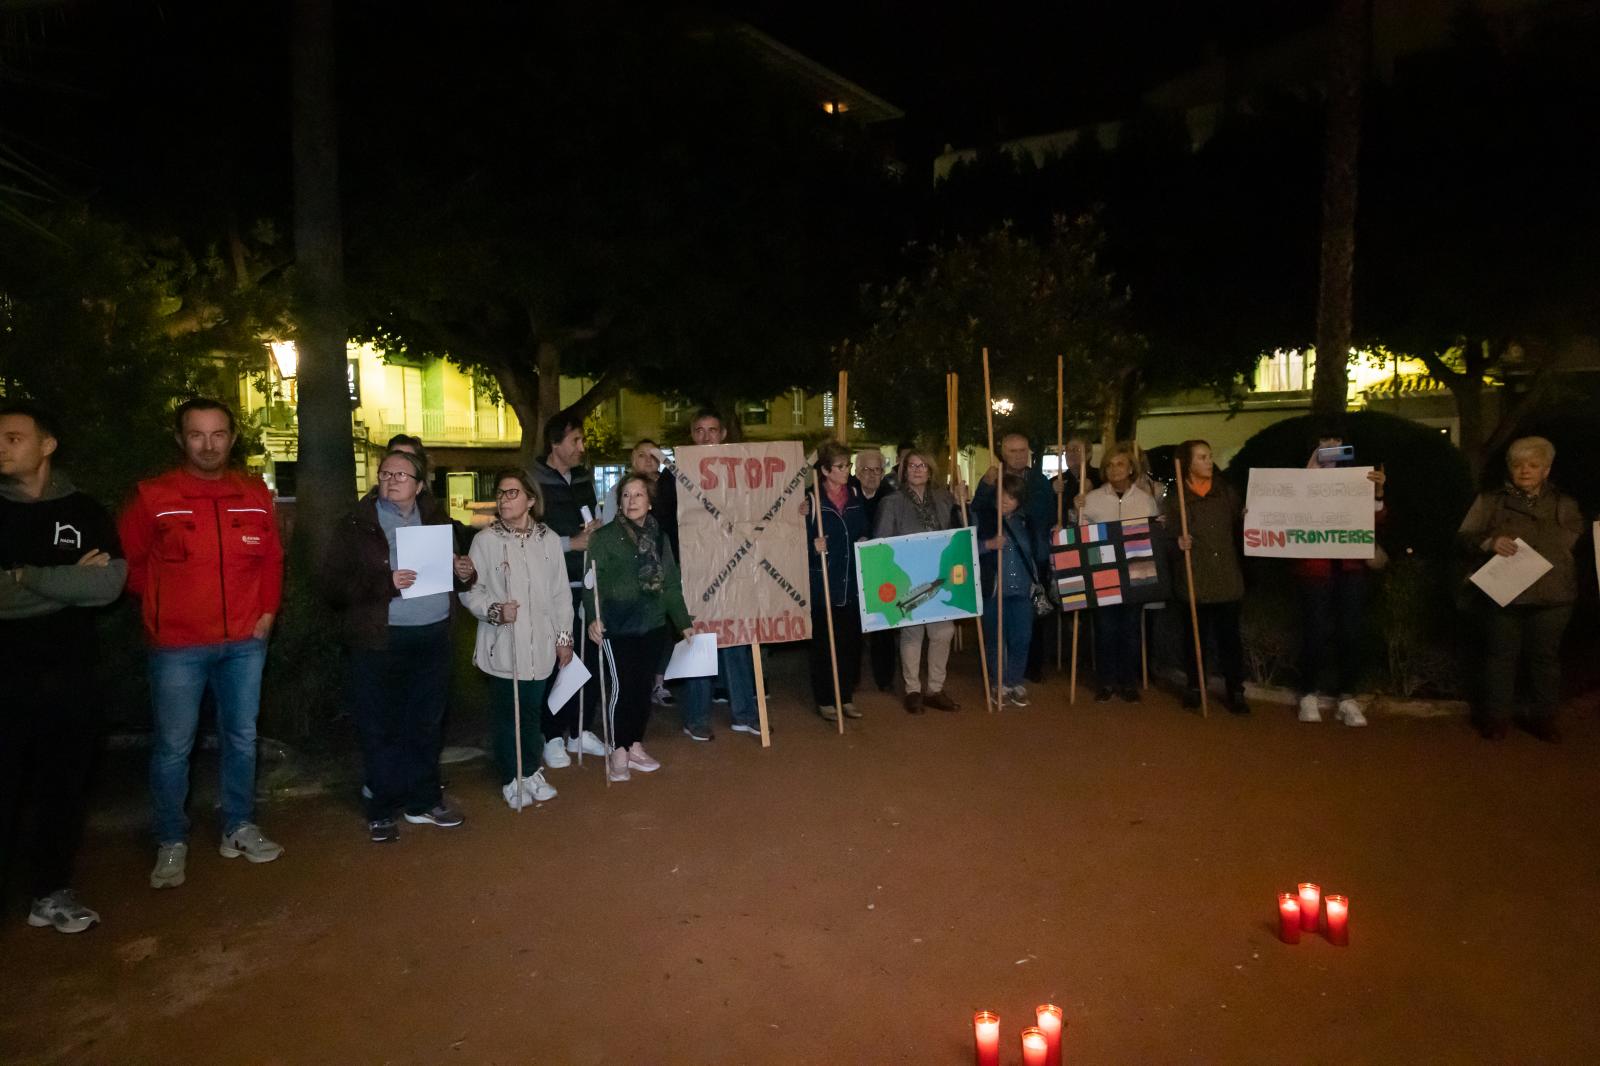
1528, 629
920, 507
524, 612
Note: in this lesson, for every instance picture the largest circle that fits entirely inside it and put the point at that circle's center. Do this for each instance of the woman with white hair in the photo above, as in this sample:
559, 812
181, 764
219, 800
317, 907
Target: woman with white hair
1528, 629
1120, 498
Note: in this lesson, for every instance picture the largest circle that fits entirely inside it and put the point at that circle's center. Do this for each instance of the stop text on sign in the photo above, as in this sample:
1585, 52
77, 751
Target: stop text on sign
734, 472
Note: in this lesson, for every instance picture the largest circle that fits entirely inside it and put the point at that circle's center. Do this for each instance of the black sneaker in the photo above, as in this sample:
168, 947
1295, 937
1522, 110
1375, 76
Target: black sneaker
1129, 694
1542, 729
383, 830
1236, 702
441, 816
700, 733
1103, 695
1191, 698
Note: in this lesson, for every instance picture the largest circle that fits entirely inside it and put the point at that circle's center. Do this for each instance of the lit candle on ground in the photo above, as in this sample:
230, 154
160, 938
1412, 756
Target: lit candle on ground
1310, 905
1338, 920
1050, 1024
1035, 1047
986, 1035
1288, 918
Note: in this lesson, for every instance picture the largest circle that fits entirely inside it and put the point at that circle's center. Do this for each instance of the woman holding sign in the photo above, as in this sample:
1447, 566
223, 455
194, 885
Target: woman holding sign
640, 597
1216, 517
1116, 626
919, 507
399, 648
1526, 514
524, 612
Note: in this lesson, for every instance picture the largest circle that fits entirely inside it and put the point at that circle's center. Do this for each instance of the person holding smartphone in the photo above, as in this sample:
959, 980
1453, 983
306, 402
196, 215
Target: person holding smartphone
1333, 600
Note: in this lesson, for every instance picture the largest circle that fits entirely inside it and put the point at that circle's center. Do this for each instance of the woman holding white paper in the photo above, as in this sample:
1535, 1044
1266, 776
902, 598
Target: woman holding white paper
524, 612
1530, 509
639, 597
399, 647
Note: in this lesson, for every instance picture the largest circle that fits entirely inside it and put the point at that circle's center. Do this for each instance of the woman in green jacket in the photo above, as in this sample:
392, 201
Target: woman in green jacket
1216, 517
640, 596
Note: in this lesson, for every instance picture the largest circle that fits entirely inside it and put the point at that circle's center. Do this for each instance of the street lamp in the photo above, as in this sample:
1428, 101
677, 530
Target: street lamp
1003, 406
286, 357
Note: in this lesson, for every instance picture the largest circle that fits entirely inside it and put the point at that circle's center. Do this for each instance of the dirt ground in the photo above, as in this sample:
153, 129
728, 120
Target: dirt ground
853, 900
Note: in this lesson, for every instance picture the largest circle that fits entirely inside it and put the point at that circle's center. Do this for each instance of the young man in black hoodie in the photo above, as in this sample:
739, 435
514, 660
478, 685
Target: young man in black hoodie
59, 559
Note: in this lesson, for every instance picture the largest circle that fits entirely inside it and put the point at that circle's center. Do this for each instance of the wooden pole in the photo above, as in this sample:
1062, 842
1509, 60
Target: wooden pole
592, 579
1188, 570
516, 682
1061, 475
761, 695
955, 473
1000, 554
827, 597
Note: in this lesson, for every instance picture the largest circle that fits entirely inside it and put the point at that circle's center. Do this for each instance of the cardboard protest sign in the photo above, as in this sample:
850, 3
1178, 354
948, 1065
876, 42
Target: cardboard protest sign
1310, 514
1099, 564
745, 574
917, 579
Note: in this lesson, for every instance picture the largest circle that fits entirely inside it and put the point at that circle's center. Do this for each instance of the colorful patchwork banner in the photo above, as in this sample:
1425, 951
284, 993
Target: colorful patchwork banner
1107, 563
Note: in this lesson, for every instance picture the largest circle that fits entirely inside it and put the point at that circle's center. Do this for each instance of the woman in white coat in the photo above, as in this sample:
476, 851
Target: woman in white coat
524, 612
1116, 627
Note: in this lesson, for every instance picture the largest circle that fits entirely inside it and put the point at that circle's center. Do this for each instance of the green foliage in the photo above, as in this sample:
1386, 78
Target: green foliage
1025, 300
108, 329
601, 438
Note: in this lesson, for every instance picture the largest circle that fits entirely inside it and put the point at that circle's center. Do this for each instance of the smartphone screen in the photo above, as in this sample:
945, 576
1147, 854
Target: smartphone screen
1344, 453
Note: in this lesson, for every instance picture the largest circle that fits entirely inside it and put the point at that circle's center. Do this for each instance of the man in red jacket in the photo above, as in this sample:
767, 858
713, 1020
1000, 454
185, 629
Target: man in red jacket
205, 561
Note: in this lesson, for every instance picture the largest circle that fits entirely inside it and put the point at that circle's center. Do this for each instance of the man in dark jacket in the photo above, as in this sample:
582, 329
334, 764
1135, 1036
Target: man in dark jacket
59, 559
883, 647
1039, 506
567, 487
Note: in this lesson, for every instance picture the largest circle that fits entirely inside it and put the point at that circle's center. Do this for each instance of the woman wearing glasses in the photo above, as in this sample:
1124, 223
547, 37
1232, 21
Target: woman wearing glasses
399, 648
524, 612
843, 522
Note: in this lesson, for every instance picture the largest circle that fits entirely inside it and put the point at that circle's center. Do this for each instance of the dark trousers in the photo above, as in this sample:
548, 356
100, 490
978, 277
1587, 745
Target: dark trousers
565, 722
503, 725
49, 736
1517, 635
883, 648
1043, 632
636, 656
1219, 635
398, 697
1116, 644
847, 638
1330, 617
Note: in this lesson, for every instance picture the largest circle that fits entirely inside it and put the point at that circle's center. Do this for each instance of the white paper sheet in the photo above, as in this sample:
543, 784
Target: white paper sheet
1505, 577
429, 550
569, 679
695, 657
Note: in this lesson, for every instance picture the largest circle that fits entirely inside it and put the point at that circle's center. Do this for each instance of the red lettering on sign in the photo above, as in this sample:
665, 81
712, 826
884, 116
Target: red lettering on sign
708, 475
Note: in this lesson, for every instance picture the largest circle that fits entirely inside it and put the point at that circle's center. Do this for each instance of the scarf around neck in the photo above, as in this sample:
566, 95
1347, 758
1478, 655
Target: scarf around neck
646, 538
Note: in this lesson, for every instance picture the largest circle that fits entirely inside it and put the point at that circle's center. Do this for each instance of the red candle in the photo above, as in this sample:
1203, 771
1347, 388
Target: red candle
1338, 920
1310, 905
1050, 1024
1035, 1047
1288, 918
986, 1035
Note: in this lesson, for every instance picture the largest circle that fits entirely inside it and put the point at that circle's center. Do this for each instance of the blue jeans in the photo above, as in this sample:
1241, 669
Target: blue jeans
736, 672
178, 680
1018, 635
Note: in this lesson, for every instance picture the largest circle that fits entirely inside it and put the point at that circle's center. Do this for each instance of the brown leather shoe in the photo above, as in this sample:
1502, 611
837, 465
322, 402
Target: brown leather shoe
941, 702
913, 703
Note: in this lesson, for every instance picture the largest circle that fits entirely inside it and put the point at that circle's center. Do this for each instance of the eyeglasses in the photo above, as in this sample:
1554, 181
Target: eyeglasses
395, 475
507, 494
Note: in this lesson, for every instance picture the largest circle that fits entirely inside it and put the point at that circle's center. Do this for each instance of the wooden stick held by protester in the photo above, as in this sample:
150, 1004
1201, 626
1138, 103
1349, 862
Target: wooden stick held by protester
954, 383
827, 597
1000, 553
1188, 570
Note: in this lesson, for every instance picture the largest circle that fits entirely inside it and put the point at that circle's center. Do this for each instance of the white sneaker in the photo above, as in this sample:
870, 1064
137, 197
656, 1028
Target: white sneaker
555, 755
640, 760
536, 786
1350, 711
591, 744
250, 842
61, 911
1310, 708
170, 861
1017, 694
